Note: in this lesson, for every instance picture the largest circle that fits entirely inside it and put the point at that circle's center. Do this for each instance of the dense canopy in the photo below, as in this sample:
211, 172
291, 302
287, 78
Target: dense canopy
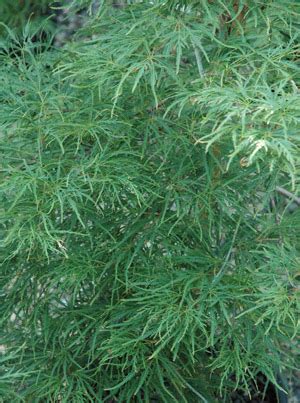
149, 238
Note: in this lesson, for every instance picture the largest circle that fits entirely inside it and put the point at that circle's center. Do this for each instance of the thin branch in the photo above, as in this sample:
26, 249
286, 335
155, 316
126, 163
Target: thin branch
288, 194
118, 4
273, 207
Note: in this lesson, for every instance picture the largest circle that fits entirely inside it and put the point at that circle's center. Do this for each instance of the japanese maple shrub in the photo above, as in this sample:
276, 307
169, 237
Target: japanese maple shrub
149, 216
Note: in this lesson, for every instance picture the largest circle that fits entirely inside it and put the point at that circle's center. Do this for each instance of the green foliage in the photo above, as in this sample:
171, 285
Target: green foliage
139, 258
17, 12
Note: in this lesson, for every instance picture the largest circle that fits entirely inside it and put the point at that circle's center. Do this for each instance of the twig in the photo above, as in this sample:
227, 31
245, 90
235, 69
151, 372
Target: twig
273, 207
118, 4
288, 194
